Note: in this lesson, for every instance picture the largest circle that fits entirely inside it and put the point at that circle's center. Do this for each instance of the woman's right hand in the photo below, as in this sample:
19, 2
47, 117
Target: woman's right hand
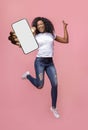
13, 38
33, 29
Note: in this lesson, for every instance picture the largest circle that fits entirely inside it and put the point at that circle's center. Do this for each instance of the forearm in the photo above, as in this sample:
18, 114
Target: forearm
66, 37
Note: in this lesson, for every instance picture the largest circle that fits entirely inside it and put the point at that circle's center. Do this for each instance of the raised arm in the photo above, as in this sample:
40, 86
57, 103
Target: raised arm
65, 38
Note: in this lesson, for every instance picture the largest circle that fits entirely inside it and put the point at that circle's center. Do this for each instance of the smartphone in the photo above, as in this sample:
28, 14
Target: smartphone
25, 36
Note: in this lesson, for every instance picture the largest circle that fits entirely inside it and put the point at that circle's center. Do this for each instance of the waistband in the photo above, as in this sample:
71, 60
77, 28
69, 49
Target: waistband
45, 59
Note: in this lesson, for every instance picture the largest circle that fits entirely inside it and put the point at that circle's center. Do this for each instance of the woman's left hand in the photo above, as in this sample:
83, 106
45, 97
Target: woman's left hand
64, 24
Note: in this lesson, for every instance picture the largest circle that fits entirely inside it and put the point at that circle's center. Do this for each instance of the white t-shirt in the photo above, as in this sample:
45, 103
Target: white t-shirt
46, 44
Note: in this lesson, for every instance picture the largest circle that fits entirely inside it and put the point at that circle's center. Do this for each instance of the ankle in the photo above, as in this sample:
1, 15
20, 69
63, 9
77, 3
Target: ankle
53, 107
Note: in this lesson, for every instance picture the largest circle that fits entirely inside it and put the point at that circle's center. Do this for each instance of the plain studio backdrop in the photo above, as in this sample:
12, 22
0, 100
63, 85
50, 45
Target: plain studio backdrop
22, 106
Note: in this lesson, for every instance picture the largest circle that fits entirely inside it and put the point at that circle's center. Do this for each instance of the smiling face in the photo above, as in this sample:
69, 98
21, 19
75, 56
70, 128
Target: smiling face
40, 26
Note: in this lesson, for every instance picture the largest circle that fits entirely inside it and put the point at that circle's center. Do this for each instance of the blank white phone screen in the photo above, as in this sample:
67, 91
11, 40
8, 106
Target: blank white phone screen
25, 36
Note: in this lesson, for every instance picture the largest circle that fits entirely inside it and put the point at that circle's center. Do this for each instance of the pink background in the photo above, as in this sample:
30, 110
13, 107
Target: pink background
22, 107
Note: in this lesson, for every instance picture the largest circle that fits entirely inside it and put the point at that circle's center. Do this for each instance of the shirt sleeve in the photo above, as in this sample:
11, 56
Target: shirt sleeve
54, 35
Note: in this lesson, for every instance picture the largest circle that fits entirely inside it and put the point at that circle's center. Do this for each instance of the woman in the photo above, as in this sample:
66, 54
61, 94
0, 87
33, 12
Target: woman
44, 33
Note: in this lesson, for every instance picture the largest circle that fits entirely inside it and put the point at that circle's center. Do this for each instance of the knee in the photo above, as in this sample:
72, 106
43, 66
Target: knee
55, 82
41, 82
40, 85
55, 85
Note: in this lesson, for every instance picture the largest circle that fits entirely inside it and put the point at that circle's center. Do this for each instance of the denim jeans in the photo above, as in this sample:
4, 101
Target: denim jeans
43, 65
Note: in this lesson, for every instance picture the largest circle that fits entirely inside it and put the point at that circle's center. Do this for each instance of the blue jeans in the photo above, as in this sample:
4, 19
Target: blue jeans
43, 65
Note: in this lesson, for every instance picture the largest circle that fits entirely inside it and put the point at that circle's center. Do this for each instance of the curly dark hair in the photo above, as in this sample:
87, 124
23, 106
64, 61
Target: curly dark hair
48, 25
